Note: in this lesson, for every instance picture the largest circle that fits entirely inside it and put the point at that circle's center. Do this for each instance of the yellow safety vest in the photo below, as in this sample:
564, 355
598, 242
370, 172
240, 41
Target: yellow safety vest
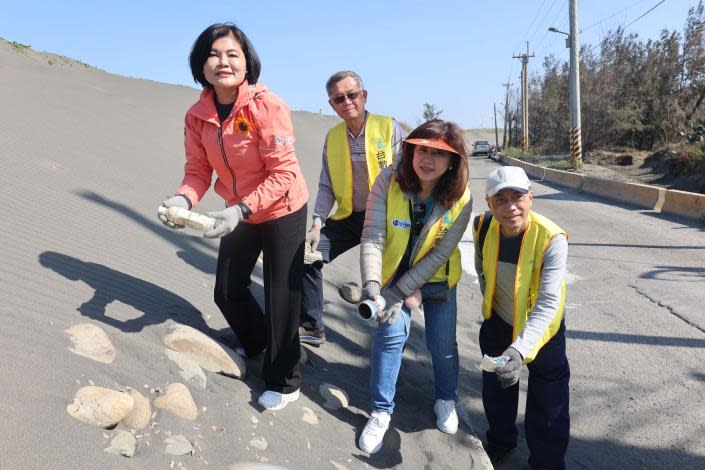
537, 236
399, 232
379, 131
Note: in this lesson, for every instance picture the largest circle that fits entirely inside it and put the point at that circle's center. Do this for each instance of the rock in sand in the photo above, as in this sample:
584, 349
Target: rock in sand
260, 443
141, 411
178, 445
350, 292
208, 353
92, 342
309, 416
178, 400
124, 443
100, 406
334, 396
188, 368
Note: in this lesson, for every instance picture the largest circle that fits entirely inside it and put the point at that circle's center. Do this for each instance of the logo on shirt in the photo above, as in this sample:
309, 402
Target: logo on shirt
445, 227
283, 140
381, 154
381, 159
402, 224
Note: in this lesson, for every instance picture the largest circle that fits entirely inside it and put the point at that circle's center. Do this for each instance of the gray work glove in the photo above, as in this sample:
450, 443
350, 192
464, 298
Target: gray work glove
313, 237
370, 291
174, 201
508, 374
226, 221
395, 302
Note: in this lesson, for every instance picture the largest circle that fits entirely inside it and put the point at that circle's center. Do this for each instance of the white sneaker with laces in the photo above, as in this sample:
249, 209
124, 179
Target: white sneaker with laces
373, 434
274, 401
446, 416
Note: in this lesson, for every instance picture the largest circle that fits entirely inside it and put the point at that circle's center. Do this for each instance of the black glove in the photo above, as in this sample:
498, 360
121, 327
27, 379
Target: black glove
508, 374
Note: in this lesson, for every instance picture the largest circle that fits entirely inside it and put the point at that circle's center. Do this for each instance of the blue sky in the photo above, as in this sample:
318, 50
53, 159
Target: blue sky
454, 54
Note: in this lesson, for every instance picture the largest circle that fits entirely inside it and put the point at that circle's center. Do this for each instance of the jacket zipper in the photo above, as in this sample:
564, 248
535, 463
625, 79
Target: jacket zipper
225, 159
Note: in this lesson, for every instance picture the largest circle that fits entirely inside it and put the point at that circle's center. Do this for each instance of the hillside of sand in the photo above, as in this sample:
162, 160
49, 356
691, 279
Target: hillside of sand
85, 158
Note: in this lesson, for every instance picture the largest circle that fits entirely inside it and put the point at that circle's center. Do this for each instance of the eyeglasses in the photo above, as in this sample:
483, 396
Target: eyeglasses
352, 96
507, 200
418, 215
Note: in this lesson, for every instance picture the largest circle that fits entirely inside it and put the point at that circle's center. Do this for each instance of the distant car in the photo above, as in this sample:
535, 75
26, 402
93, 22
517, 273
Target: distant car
481, 147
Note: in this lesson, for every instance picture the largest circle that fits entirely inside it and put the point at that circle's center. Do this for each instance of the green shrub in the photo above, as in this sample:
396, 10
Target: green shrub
562, 165
19, 46
516, 152
687, 159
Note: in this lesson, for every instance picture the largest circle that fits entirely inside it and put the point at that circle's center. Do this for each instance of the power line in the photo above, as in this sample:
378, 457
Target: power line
646, 13
535, 16
626, 26
529, 35
612, 16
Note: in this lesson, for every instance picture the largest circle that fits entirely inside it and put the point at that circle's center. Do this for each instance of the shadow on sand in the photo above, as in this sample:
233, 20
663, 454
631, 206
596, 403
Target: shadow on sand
156, 303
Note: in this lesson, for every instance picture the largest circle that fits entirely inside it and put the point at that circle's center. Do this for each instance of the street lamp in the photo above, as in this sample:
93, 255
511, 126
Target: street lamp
567, 39
576, 145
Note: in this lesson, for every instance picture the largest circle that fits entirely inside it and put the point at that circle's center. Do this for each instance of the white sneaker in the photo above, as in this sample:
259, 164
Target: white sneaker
373, 434
276, 401
446, 417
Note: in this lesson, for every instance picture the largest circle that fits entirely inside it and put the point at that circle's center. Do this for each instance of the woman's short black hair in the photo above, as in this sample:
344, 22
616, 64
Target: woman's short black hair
202, 48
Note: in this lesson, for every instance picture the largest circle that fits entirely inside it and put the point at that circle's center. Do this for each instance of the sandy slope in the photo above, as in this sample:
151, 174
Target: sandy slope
85, 157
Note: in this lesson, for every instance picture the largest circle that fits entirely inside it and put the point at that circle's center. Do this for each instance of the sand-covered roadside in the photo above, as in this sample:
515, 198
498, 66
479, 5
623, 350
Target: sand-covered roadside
85, 157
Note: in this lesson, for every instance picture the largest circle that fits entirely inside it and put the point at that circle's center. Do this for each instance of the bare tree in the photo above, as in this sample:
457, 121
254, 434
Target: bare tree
636, 93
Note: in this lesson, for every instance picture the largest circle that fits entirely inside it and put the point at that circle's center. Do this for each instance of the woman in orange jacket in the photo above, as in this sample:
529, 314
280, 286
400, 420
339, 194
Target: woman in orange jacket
242, 131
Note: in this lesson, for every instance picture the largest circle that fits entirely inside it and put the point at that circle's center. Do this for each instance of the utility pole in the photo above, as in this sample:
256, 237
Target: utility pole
525, 96
576, 145
506, 113
496, 137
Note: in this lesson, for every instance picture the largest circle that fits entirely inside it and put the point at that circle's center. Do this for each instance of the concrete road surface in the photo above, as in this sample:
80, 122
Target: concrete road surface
635, 328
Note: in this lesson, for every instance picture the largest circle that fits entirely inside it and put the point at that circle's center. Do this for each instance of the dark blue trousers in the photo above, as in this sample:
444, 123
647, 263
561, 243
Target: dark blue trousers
337, 237
547, 419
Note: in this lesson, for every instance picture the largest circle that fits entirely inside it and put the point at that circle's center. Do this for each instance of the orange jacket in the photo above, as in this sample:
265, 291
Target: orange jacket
252, 154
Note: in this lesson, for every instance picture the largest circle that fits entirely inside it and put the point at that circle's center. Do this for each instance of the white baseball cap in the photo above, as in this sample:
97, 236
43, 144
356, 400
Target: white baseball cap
507, 177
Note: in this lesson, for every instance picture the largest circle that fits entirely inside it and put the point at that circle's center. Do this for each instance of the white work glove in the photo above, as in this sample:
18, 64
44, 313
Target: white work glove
414, 301
395, 302
370, 291
173, 201
508, 374
313, 237
226, 221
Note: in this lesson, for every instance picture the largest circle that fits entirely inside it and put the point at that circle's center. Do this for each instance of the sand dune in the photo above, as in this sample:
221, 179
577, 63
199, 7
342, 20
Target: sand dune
85, 158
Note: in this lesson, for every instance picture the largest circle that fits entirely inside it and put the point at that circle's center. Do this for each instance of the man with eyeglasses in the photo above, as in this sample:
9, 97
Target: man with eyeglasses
520, 258
354, 153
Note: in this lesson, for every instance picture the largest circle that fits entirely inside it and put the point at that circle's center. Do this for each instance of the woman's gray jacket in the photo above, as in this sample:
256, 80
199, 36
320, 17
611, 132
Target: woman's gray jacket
374, 235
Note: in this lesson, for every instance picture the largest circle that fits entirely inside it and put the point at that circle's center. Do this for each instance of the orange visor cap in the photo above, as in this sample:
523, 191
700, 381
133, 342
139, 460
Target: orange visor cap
436, 143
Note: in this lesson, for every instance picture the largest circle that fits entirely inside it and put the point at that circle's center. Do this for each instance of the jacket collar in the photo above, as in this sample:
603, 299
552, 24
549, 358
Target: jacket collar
204, 108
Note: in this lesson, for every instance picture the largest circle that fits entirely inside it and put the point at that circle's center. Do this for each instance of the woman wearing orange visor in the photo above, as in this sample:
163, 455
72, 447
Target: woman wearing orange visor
409, 258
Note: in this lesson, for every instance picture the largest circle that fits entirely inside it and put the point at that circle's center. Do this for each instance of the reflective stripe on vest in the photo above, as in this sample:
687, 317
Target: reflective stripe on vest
536, 239
399, 231
379, 131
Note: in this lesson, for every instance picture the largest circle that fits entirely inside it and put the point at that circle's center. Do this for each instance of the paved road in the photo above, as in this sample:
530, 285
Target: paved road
636, 331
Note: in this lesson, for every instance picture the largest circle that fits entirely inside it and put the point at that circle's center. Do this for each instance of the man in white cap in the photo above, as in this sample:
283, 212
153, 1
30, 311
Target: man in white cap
520, 257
